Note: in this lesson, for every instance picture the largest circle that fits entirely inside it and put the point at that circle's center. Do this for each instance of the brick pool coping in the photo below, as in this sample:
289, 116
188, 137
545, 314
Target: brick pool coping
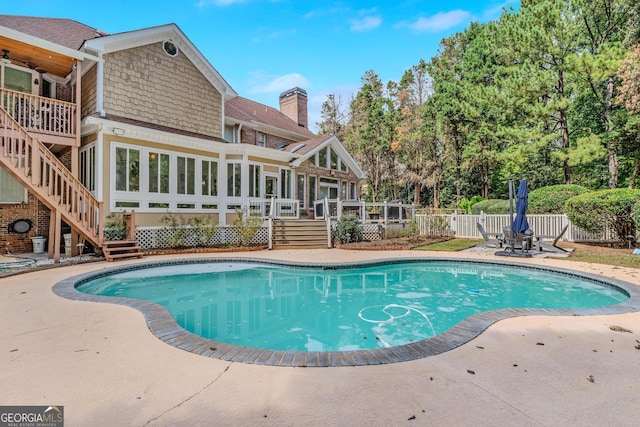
164, 326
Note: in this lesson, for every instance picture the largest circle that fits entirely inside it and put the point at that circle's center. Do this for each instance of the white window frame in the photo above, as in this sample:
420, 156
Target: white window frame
164, 202
301, 192
10, 190
261, 139
255, 180
87, 167
236, 166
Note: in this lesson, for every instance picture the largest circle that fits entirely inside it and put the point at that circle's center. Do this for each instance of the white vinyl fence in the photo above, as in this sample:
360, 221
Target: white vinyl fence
465, 226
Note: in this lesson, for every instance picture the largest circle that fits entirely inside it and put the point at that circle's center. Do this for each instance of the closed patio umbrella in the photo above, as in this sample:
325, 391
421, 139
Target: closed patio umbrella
520, 223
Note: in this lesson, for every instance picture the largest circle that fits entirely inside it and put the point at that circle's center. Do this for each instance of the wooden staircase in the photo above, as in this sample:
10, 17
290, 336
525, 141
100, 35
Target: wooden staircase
299, 234
37, 168
118, 249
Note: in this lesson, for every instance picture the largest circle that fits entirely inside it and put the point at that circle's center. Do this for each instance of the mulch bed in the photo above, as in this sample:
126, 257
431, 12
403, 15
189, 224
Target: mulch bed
397, 244
214, 249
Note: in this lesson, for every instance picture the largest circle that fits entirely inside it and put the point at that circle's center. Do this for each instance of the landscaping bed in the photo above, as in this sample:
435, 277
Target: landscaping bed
395, 244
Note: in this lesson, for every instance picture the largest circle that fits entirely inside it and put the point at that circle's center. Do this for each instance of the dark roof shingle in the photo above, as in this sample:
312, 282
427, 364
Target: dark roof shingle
244, 109
65, 32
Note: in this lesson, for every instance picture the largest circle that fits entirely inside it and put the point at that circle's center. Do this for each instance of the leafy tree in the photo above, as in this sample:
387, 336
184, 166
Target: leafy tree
535, 46
370, 134
601, 34
334, 117
629, 96
411, 143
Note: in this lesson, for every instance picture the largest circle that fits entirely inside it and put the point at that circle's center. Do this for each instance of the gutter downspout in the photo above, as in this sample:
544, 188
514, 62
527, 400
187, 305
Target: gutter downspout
100, 87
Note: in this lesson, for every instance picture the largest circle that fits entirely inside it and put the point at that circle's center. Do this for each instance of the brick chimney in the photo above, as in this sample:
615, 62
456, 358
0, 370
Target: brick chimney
293, 104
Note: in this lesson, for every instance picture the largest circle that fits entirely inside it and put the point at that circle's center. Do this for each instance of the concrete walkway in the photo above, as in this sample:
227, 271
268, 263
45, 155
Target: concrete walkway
103, 365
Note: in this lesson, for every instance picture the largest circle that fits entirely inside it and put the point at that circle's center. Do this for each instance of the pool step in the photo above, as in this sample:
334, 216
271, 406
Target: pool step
300, 234
119, 249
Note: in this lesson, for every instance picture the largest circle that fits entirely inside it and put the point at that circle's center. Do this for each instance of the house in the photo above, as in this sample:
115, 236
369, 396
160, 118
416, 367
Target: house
93, 123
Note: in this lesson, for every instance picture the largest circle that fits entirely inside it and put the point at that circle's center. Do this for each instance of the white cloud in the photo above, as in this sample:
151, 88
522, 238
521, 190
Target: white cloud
494, 12
205, 3
439, 22
365, 24
265, 84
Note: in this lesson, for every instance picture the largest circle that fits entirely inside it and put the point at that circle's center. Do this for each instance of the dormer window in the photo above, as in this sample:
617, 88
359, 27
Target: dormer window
170, 48
261, 139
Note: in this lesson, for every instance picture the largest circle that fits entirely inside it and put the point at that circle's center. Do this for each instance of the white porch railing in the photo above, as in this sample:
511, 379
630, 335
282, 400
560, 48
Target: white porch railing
39, 114
366, 212
275, 208
465, 226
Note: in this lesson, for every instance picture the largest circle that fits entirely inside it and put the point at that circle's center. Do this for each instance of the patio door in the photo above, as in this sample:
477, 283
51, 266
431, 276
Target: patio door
270, 189
328, 189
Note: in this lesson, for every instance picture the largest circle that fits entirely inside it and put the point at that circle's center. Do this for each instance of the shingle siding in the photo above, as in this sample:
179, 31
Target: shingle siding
146, 84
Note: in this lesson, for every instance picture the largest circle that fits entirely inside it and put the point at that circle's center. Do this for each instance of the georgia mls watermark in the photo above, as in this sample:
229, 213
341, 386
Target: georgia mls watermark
31, 416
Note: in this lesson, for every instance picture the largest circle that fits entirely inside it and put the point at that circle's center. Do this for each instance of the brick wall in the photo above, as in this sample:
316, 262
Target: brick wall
34, 211
250, 136
146, 84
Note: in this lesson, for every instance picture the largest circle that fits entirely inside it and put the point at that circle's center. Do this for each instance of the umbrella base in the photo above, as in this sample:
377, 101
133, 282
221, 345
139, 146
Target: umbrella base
514, 254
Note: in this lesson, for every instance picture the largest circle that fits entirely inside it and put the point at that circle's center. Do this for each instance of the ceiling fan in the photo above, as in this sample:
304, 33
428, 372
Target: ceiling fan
31, 65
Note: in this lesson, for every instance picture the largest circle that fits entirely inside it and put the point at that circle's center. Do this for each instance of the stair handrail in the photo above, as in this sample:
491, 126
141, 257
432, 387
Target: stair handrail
40, 170
328, 221
272, 206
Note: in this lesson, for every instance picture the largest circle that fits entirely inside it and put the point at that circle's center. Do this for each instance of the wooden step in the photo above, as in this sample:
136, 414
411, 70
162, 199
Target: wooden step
119, 249
299, 234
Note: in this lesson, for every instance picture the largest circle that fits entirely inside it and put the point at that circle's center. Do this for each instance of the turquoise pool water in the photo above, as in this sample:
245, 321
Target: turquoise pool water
317, 309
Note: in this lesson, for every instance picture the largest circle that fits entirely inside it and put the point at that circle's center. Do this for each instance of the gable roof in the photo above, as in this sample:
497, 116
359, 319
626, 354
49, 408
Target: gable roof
65, 32
248, 111
169, 32
313, 145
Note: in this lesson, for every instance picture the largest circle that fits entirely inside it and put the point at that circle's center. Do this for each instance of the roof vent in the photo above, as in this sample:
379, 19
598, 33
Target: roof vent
297, 147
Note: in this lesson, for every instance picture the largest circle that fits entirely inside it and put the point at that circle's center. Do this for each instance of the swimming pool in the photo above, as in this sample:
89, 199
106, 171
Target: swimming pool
378, 312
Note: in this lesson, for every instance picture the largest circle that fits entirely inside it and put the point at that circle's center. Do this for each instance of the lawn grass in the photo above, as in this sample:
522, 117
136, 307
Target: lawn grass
581, 252
449, 245
603, 255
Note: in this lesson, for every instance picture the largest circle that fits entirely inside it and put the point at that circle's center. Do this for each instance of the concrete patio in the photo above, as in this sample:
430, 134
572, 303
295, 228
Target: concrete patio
101, 362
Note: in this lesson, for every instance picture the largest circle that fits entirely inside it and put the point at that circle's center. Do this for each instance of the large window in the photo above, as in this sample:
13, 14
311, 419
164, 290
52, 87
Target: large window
209, 178
11, 191
127, 169
285, 179
334, 160
18, 80
301, 190
322, 157
234, 179
168, 180
312, 190
159, 172
254, 181
88, 167
229, 133
186, 178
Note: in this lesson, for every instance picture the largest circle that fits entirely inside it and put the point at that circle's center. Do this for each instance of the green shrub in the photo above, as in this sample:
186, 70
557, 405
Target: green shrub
188, 231
551, 199
467, 205
247, 226
348, 229
115, 226
595, 210
491, 207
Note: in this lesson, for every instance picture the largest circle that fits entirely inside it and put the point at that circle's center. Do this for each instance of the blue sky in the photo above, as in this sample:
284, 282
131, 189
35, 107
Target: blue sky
263, 47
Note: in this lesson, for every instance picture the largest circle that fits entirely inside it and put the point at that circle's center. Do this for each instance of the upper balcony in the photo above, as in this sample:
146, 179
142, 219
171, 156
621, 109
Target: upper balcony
50, 120
40, 87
